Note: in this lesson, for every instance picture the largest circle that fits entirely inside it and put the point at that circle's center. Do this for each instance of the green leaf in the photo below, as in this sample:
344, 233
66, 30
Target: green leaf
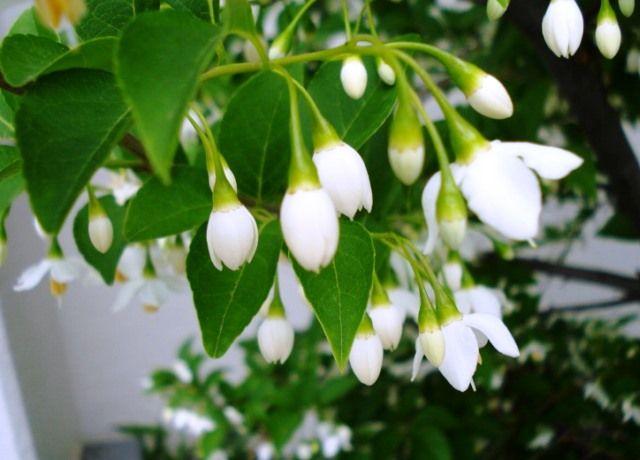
354, 120
66, 125
159, 210
105, 263
145, 5
203, 9
340, 292
29, 23
11, 181
7, 126
159, 60
237, 18
25, 57
226, 300
255, 141
105, 18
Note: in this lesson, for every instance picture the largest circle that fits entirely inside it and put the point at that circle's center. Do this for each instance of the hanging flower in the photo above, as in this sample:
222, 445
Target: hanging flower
124, 184
353, 76
275, 334
562, 27
232, 236
501, 188
366, 353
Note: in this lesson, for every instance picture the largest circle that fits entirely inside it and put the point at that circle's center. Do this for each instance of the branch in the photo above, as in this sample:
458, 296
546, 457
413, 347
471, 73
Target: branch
613, 303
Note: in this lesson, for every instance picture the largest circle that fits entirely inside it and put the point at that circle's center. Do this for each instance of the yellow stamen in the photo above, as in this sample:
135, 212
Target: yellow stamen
57, 289
120, 277
148, 308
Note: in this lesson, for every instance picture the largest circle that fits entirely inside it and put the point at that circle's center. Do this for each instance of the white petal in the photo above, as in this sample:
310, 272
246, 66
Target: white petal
549, 162
232, 236
484, 300
66, 270
275, 339
495, 330
407, 164
608, 38
387, 322
32, 275
154, 293
417, 360
408, 302
353, 75
126, 294
366, 358
503, 193
429, 198
491, 99
460, 355
131, 263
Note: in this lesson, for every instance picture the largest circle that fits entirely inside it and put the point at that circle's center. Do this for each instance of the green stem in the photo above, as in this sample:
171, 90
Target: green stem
323, 133
370, 18
345, 18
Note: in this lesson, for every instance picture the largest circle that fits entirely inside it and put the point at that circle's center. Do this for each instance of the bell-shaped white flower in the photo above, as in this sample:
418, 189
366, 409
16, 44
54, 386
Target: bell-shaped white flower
496, 8
490, 98
385, 72
310, 227
627, 7
232, 236
501, 188
461, 347
387, 323
452, 271
61, 272
562, 27
345, 178
366, 353
275, 339
608, 34
353, 76
124, 184
478, 299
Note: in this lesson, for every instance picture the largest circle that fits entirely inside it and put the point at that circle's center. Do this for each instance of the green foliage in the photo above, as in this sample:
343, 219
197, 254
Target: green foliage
203, 9
159, 60
227, 300
25, 57
339, 293
81, 115
255, 142
160, 210
238, 18
105, 18
106, 263
11, 182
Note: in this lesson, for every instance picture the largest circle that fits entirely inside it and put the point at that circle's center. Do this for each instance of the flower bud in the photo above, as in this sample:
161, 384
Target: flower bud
344, 176
432, 343
451, 213
354, 77
562, 27
406, 144
452, 271
275, 339
489, 97
608, 35
280, 46
385, 72
232, 236
100, 227
366, 353
227, 173
627, 7
496, 8
387, 322
310, 226
250, 52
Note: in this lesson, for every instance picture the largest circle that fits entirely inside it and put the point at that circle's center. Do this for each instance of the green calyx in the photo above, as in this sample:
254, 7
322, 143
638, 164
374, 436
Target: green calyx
406, 130
427, 318
55, 251
379, 297
365, 329
446, 308
606, 12
466, 141
224, 197
276, 308
95, 208
450, 205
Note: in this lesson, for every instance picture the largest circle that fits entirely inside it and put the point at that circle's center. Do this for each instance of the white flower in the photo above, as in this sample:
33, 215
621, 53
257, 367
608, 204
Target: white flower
431, 344
408, 302
461, 347
345, 178
275, 339
232, 236
366, 357
386, 73
627, 7
608, 37
101, 232
478, 299
562, 27
310, 227
387, 322
61, 272
490, 98
42, 234
495, 9
407, 163
452, 272
501, 188
264, 451
182, 371
124, 185
188, 422
353, 76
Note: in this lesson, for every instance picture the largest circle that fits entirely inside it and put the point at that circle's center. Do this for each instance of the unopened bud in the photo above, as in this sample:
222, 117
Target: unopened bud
366, 353
406, 144
608, 35
432, 343
627, 7
385, 72
353, 76
451, 213
496, 8
100, 227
